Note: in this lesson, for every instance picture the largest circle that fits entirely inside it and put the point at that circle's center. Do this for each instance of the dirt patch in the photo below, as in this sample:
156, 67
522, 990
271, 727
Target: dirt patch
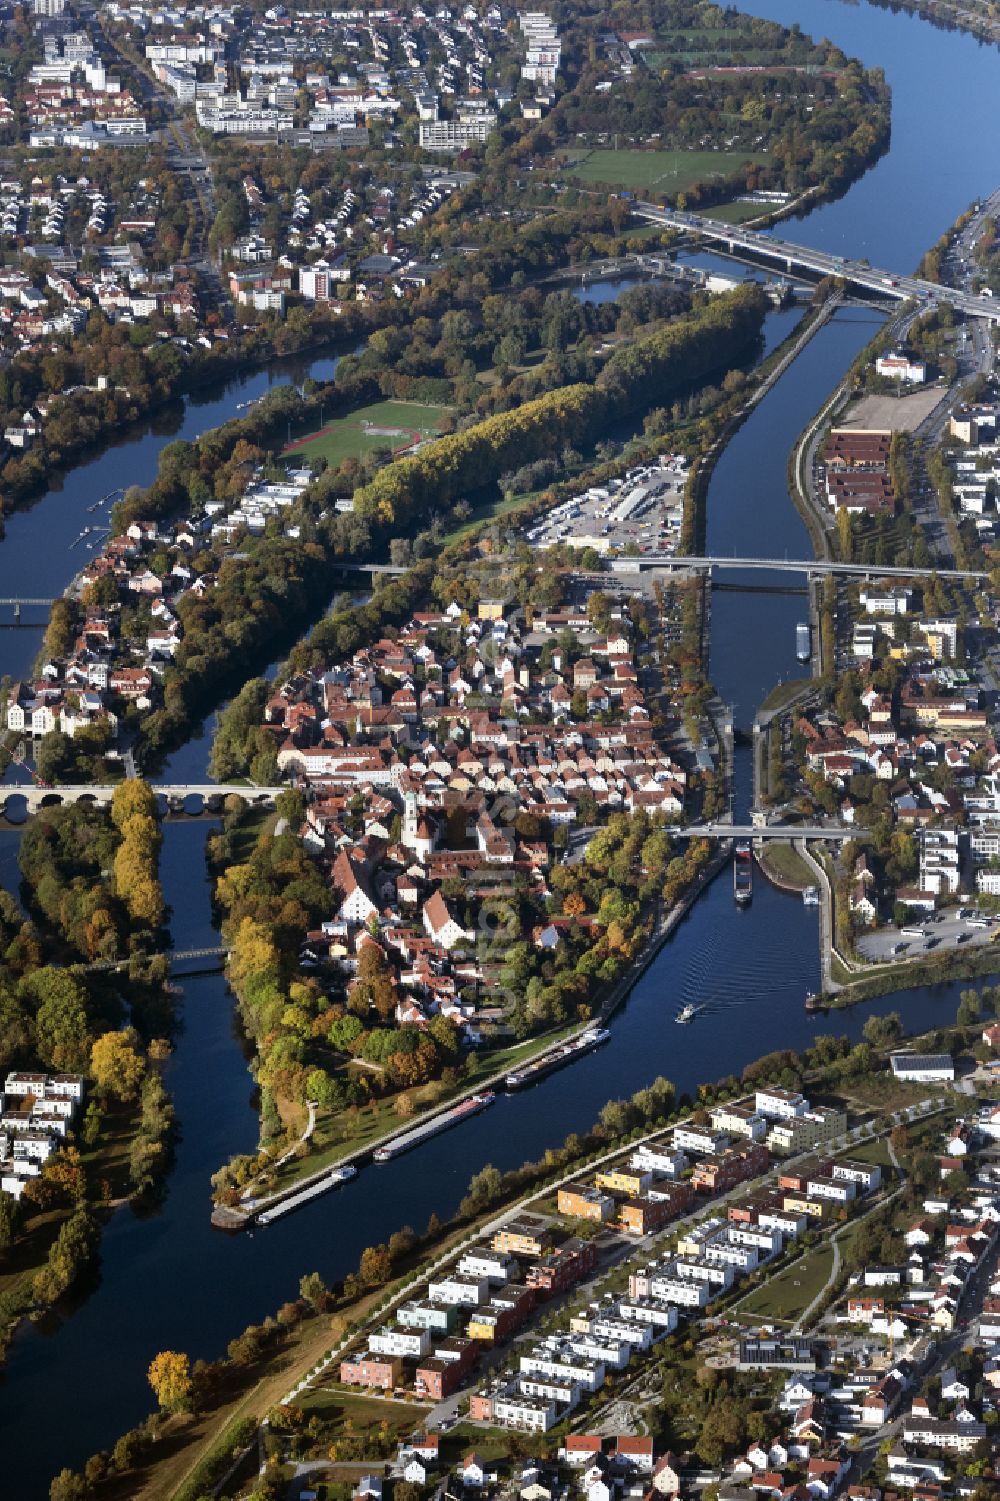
879, 414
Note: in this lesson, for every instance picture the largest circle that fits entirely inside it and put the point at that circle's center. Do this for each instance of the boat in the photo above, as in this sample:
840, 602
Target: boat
460, 1112
333, 1179
815, 1002
810, 896
593, 1038
742, 873
686, 1014
803, 642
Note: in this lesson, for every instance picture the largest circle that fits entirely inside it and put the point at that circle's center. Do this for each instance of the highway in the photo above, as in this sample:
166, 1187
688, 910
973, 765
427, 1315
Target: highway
801, 258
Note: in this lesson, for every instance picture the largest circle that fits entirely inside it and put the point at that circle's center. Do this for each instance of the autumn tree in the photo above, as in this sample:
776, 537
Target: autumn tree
131, 799
170, 1377
375, 1265
117, 1065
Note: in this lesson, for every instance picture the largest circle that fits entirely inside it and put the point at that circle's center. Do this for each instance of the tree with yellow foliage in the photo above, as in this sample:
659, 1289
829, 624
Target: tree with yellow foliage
170, 1377
132, 799
116, 1064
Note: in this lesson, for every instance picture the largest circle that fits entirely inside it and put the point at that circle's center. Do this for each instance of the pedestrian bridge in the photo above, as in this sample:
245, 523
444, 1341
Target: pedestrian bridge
34, 798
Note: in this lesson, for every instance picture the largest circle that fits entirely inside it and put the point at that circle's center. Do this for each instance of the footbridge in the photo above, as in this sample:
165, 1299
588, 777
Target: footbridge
207, 960
761, 245
814, 567
34, 798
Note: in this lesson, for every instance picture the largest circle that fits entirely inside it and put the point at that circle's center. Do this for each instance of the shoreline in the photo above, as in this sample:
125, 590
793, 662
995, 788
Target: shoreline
233, 1218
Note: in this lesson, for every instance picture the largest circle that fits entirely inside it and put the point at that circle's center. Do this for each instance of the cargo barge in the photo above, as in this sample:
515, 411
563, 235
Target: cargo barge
339, 1176
400, 1144
743, 873
595, 1037
803, 642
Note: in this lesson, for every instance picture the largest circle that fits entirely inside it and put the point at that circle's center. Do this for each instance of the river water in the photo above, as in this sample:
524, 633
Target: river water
168, 1281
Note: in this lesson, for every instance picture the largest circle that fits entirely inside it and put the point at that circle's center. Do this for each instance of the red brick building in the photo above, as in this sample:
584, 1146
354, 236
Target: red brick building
381, 1372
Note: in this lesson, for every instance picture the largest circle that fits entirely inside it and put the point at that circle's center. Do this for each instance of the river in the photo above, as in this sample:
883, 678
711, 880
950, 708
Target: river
168, 1281
41, 550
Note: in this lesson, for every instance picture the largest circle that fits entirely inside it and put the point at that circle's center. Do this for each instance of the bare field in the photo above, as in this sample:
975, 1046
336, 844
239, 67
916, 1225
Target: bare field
901, 413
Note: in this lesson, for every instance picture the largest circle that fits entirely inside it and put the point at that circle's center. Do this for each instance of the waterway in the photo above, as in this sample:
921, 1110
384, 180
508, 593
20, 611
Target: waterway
166, 1280
40, 552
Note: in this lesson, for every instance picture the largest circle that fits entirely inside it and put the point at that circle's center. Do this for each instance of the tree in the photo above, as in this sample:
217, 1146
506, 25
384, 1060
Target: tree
10, 1218
68, 1486
170, 1377
61, 1037
314, 1290
117, 1067
375, 1266
131, 799
968, 1008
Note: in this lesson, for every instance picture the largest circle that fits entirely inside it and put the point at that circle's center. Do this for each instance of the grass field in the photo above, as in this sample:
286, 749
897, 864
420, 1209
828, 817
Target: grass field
787, 864
660, 171
738, 213
783, 1298
398, 425
338, 1133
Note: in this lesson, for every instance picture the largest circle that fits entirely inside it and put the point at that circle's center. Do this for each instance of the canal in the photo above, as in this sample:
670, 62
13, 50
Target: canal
166, 1281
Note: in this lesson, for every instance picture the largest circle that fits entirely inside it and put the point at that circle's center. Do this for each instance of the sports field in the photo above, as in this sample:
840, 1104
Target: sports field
398, 425
660, 171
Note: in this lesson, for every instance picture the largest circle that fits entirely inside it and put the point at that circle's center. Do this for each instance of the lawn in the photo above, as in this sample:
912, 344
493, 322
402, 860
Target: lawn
341, 1132
783, 693
397, 425
787, 864
661, 171
738, 213
784, 1297
342, 1415
875, 1151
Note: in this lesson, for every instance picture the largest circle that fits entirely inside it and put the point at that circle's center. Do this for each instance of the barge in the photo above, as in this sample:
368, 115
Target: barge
461, 1112
742, 873
803, 642
593, 1038
285, 1206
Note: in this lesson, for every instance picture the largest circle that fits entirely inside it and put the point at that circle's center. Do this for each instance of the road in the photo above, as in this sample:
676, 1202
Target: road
889, 284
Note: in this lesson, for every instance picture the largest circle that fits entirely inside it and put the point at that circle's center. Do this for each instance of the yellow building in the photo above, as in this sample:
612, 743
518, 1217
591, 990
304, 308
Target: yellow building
523, 1237
819, 1125
816, 1209
624, 1180
492, 609
584, 1203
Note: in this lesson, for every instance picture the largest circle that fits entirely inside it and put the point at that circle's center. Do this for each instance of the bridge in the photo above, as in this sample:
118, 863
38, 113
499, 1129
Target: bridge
839, 832
214, 958
35, 798
812, 566
370, 570
801, 258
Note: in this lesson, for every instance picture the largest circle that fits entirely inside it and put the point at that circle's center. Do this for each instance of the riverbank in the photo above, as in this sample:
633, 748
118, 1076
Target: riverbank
232, 1218
309, 1356
765, 377
783, 866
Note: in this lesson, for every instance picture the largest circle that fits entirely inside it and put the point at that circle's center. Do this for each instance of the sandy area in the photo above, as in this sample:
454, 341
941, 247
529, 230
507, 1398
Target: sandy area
883, 413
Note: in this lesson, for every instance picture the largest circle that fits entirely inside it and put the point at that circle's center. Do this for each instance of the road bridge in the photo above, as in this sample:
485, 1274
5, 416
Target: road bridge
795, 257
838, 832
655, 561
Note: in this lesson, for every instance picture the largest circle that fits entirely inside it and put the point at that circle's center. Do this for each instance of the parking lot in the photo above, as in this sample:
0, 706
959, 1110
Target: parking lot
640, 512
939, 930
